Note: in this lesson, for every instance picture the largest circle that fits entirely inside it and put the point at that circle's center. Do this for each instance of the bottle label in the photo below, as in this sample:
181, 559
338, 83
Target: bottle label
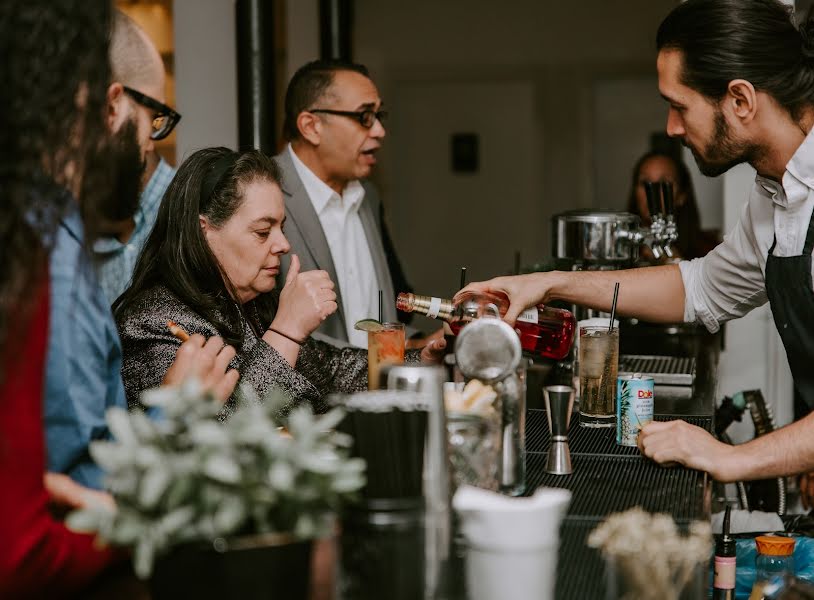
435, 308
529, 315
724, 573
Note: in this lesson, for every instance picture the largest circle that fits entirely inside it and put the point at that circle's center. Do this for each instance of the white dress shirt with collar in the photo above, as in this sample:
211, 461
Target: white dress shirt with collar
339, 216
730, 280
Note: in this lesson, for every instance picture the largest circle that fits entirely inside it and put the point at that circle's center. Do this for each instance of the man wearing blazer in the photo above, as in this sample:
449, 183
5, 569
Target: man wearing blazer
333, 121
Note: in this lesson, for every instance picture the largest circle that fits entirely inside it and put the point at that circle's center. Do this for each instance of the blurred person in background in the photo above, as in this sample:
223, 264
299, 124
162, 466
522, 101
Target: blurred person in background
53, 77
657, 166
334, 125
83, 374
139, 93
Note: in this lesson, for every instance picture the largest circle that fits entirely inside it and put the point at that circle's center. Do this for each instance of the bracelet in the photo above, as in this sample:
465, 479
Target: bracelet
288, 337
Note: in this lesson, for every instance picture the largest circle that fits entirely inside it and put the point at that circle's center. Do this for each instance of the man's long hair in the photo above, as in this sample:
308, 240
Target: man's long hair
755, 40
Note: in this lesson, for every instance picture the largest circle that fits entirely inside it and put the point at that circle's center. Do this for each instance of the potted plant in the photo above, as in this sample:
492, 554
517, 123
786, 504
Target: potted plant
226, 509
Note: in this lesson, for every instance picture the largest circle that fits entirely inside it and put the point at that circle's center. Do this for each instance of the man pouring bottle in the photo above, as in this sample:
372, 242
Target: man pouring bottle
736, 94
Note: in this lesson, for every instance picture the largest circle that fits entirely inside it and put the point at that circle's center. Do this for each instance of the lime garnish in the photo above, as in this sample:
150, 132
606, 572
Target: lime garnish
368, 325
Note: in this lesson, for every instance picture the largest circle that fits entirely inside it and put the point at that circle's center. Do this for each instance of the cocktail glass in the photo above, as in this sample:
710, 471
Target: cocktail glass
598, 364
384, 347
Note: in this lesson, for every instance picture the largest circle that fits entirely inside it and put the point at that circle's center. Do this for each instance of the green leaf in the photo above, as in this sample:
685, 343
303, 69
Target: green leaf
208, 433
230, 515
143, 558
118, 420
281, 476
155, 483
330, 419
85, 520
222, 468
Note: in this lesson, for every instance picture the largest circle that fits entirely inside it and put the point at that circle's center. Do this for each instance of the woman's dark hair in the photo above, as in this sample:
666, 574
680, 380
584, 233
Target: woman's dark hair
210, 183
54, 75
755, 40
688, 221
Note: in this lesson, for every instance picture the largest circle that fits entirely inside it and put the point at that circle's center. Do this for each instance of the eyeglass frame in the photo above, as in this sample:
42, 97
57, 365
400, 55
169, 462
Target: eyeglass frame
356, 115
162, 110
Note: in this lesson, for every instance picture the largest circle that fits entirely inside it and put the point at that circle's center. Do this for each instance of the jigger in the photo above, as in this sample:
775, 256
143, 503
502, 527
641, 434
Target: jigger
559, 401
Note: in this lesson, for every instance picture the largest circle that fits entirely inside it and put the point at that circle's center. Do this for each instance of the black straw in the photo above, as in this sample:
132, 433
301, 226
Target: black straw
381, 315
463, 278
613, 306
517, 262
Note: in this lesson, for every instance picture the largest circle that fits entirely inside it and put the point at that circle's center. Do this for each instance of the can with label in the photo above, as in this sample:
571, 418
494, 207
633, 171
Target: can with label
634, 406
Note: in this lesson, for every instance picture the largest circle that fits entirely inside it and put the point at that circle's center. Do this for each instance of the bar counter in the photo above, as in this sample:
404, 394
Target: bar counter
608, 478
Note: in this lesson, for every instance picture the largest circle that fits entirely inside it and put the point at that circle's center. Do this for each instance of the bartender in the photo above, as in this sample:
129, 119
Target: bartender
736, 95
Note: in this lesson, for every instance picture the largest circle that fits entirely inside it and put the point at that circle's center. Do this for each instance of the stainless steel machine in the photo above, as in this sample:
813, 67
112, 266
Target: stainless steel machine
609, 239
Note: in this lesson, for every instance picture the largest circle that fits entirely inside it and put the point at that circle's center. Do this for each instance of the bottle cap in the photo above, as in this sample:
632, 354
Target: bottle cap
775, 545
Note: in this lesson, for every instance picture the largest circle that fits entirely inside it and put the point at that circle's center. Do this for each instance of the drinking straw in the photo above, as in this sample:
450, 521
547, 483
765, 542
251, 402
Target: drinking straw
613, 306
463, 278
380, 307
516, 262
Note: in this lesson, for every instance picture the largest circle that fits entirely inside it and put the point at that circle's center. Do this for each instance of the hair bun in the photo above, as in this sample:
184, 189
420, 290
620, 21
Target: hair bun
806, 29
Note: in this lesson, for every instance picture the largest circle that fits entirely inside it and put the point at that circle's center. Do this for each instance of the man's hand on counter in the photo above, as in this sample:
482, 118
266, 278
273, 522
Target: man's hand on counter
678, 442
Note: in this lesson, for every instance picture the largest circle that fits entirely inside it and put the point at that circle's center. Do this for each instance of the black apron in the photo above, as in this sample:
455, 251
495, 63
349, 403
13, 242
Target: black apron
791, 297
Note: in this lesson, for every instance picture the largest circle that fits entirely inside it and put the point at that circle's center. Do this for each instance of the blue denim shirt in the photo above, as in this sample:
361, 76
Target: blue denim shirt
83, 371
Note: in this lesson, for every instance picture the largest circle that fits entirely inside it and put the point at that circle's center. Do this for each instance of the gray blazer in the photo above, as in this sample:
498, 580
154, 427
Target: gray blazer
149, 350
304, 231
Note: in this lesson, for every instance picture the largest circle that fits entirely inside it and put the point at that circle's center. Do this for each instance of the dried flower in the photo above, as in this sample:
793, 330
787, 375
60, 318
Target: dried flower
650, 553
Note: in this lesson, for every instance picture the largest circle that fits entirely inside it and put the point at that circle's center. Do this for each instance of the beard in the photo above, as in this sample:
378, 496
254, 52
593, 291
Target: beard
724, 151
125, 160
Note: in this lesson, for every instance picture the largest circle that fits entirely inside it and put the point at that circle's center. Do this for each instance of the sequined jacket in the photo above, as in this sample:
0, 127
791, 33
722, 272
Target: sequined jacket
149, 350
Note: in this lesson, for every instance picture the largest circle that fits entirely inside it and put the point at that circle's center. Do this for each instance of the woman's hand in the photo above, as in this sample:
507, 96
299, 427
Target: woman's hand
208, 361
433, 352
306, 300
65, 492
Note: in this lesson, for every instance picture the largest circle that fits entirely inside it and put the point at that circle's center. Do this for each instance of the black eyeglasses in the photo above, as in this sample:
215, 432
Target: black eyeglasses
366, 117
165, 118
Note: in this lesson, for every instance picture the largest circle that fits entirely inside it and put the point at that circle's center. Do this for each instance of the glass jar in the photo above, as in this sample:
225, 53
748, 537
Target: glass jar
775, 557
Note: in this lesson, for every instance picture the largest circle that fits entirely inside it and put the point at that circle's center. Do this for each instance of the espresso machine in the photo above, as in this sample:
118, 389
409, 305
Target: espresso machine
606, 240
589, 240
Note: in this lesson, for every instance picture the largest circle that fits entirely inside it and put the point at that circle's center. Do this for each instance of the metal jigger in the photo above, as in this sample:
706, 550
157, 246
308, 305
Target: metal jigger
559, 401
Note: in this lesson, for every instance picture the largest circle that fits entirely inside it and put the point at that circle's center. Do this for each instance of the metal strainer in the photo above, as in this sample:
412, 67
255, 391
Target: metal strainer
487, 349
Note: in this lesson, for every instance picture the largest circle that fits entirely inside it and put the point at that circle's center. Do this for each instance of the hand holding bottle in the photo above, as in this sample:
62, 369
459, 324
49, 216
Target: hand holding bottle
523, 291
306, 300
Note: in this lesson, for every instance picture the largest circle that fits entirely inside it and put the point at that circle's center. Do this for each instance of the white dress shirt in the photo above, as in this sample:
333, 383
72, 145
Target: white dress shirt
339, 216
730, 280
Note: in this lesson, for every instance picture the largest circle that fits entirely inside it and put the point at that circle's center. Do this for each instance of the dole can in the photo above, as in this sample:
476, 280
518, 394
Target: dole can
634, 406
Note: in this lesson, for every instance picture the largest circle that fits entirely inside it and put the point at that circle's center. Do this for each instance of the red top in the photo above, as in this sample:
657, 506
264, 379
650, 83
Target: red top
38, 555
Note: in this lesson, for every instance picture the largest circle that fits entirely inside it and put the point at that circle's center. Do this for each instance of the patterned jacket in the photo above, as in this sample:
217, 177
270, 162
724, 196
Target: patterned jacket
149, 349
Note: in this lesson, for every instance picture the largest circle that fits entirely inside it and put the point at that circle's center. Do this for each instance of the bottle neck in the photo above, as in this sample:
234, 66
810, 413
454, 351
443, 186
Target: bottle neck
432, 307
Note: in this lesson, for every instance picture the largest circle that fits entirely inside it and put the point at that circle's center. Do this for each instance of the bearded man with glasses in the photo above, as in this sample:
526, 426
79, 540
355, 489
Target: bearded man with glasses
139, 117
334, 125
83, 371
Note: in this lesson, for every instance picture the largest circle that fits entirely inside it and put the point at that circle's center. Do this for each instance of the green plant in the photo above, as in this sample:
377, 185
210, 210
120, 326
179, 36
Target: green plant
186, 477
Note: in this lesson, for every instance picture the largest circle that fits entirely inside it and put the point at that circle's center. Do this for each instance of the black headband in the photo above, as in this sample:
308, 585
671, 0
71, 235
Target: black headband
214, 175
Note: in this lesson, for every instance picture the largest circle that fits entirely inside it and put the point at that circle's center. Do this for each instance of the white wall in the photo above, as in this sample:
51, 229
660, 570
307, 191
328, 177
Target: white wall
206, 77
559, 49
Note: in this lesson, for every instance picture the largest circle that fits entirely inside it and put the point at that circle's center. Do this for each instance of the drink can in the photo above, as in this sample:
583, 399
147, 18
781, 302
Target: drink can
634, 406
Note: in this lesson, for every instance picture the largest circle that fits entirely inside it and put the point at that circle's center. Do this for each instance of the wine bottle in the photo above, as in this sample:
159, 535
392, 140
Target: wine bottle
723, 583
543, 330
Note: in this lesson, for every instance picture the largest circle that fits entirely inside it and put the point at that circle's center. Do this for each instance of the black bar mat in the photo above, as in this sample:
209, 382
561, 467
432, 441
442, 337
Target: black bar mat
602, 485
585, 440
